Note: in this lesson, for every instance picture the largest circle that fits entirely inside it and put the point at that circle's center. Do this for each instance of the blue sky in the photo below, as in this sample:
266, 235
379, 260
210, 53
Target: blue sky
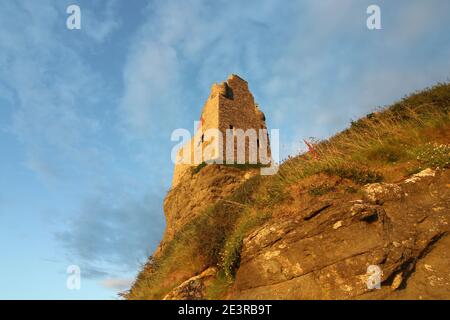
86, 115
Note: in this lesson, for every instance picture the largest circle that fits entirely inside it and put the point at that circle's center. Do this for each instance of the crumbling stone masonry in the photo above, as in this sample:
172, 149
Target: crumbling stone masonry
230, 108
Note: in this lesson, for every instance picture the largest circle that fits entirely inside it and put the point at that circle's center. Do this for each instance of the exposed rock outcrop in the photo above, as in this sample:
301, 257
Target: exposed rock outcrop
325, 253
196, 192
193, 288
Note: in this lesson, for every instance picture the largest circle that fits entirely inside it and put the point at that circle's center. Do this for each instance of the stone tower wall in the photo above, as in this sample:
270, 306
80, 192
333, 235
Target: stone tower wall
229, 106
239, 111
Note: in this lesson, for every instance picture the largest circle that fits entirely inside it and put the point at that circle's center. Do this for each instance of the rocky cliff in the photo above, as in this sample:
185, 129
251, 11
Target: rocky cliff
196, 192
324, 249
371, 202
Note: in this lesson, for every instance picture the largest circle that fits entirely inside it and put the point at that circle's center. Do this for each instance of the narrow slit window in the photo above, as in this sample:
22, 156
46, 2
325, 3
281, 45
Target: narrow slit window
232, 128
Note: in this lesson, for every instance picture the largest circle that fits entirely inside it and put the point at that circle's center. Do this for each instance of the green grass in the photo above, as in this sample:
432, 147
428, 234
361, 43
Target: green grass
231, 253
358, 175
320, 190
199, 167
389, 152
380, 139
219, 286
243, 166
350, 189
433, 155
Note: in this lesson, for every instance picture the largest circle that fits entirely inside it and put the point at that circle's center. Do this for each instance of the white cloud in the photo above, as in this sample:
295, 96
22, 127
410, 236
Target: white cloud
53, 94
312, 64
114, 228
415, 22
150, 86
181, 49
117, 284
47, 82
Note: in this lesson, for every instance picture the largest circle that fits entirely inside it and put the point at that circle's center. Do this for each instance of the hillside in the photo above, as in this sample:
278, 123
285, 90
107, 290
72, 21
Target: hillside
377, 193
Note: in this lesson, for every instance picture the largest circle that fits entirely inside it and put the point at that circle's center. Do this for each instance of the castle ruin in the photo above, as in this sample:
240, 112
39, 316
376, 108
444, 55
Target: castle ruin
230, 111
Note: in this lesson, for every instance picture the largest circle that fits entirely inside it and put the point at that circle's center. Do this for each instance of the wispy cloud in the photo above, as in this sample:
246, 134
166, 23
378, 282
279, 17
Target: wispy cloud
315, 47
150, 78
58, 117
114, 229
117, 284
49, 118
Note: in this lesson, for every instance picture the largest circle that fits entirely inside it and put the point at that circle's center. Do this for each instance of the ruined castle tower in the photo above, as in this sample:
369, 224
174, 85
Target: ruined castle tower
230, 109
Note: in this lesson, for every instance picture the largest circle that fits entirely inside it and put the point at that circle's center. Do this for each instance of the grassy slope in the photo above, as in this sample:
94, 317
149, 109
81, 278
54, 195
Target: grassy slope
386, 145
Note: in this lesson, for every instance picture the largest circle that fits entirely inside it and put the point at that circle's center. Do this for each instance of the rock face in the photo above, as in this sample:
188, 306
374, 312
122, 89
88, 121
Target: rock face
193, 288
324, 251
380, 192
198, 191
